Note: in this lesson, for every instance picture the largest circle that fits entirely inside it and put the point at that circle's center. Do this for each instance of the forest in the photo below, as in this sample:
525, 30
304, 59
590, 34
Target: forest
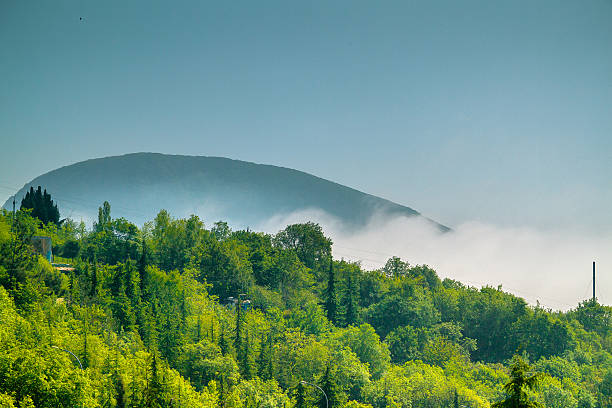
182, 313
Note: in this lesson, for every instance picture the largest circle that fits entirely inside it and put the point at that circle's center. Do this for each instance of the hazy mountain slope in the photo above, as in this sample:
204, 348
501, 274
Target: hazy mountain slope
139, 185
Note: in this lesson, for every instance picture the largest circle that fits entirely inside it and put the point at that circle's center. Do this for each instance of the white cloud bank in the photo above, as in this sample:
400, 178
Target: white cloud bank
554, 268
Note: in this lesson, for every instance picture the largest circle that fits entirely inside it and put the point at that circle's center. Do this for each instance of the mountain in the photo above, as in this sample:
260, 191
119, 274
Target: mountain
138, 185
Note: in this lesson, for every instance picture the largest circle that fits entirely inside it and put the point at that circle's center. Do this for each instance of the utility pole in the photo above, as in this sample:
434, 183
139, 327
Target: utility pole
593, 281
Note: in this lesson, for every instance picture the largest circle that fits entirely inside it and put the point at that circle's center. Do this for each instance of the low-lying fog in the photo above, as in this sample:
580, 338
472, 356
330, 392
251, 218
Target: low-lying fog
554, 268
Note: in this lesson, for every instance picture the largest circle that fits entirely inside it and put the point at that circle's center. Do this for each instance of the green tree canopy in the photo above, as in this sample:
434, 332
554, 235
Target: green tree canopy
308, 242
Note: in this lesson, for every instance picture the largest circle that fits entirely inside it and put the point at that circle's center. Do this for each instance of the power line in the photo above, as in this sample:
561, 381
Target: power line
75, 200
366, 250
586, 289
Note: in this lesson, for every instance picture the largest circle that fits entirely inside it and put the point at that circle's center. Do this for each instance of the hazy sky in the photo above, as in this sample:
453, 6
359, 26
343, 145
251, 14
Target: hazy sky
490, 111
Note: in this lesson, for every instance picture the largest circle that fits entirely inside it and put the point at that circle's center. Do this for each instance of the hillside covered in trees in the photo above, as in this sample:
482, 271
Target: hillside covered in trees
181, 313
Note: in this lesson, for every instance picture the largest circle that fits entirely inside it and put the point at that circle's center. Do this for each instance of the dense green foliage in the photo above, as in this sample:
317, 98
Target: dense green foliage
177, 315
41, 204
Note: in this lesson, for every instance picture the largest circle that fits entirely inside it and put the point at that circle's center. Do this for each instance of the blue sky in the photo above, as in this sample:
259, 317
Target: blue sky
464, 110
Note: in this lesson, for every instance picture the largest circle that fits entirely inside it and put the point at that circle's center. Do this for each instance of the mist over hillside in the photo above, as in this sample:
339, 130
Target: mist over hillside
549, 267
242, 193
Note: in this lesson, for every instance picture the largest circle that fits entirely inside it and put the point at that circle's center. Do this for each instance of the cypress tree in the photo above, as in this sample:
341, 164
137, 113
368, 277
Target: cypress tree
331, 303
73, 294
93, 291
124, 311
28, 200
154, 397
135, 397
149, 324
183, 312
132, 276
329, 386
142, 266
264, 361
238, 337
104, 217
261, 359
134, 294
222, 341
350, 302
167, 340
85, 358
521, 381
50, 209
50, 329
246, 358
221, 393
269, 369
41, 205
119, 279
119, 392
199, 329
300, 398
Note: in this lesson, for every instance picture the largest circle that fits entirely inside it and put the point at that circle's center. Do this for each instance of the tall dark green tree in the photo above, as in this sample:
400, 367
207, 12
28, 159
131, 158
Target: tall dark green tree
72, 283
148, 323
42, 205
264, 361
132, 277
300, 398
154, 396
85, 358
104, 217
142, 266
170, 337
246, 359
239, 324
93, 289
331, 300
223, 344
183, 310
124, 311
331, 390
136, 397
16, 254
119, 391
521, 381
350, 301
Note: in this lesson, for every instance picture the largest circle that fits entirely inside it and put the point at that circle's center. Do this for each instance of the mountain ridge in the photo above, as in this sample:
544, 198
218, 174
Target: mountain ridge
241, 192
